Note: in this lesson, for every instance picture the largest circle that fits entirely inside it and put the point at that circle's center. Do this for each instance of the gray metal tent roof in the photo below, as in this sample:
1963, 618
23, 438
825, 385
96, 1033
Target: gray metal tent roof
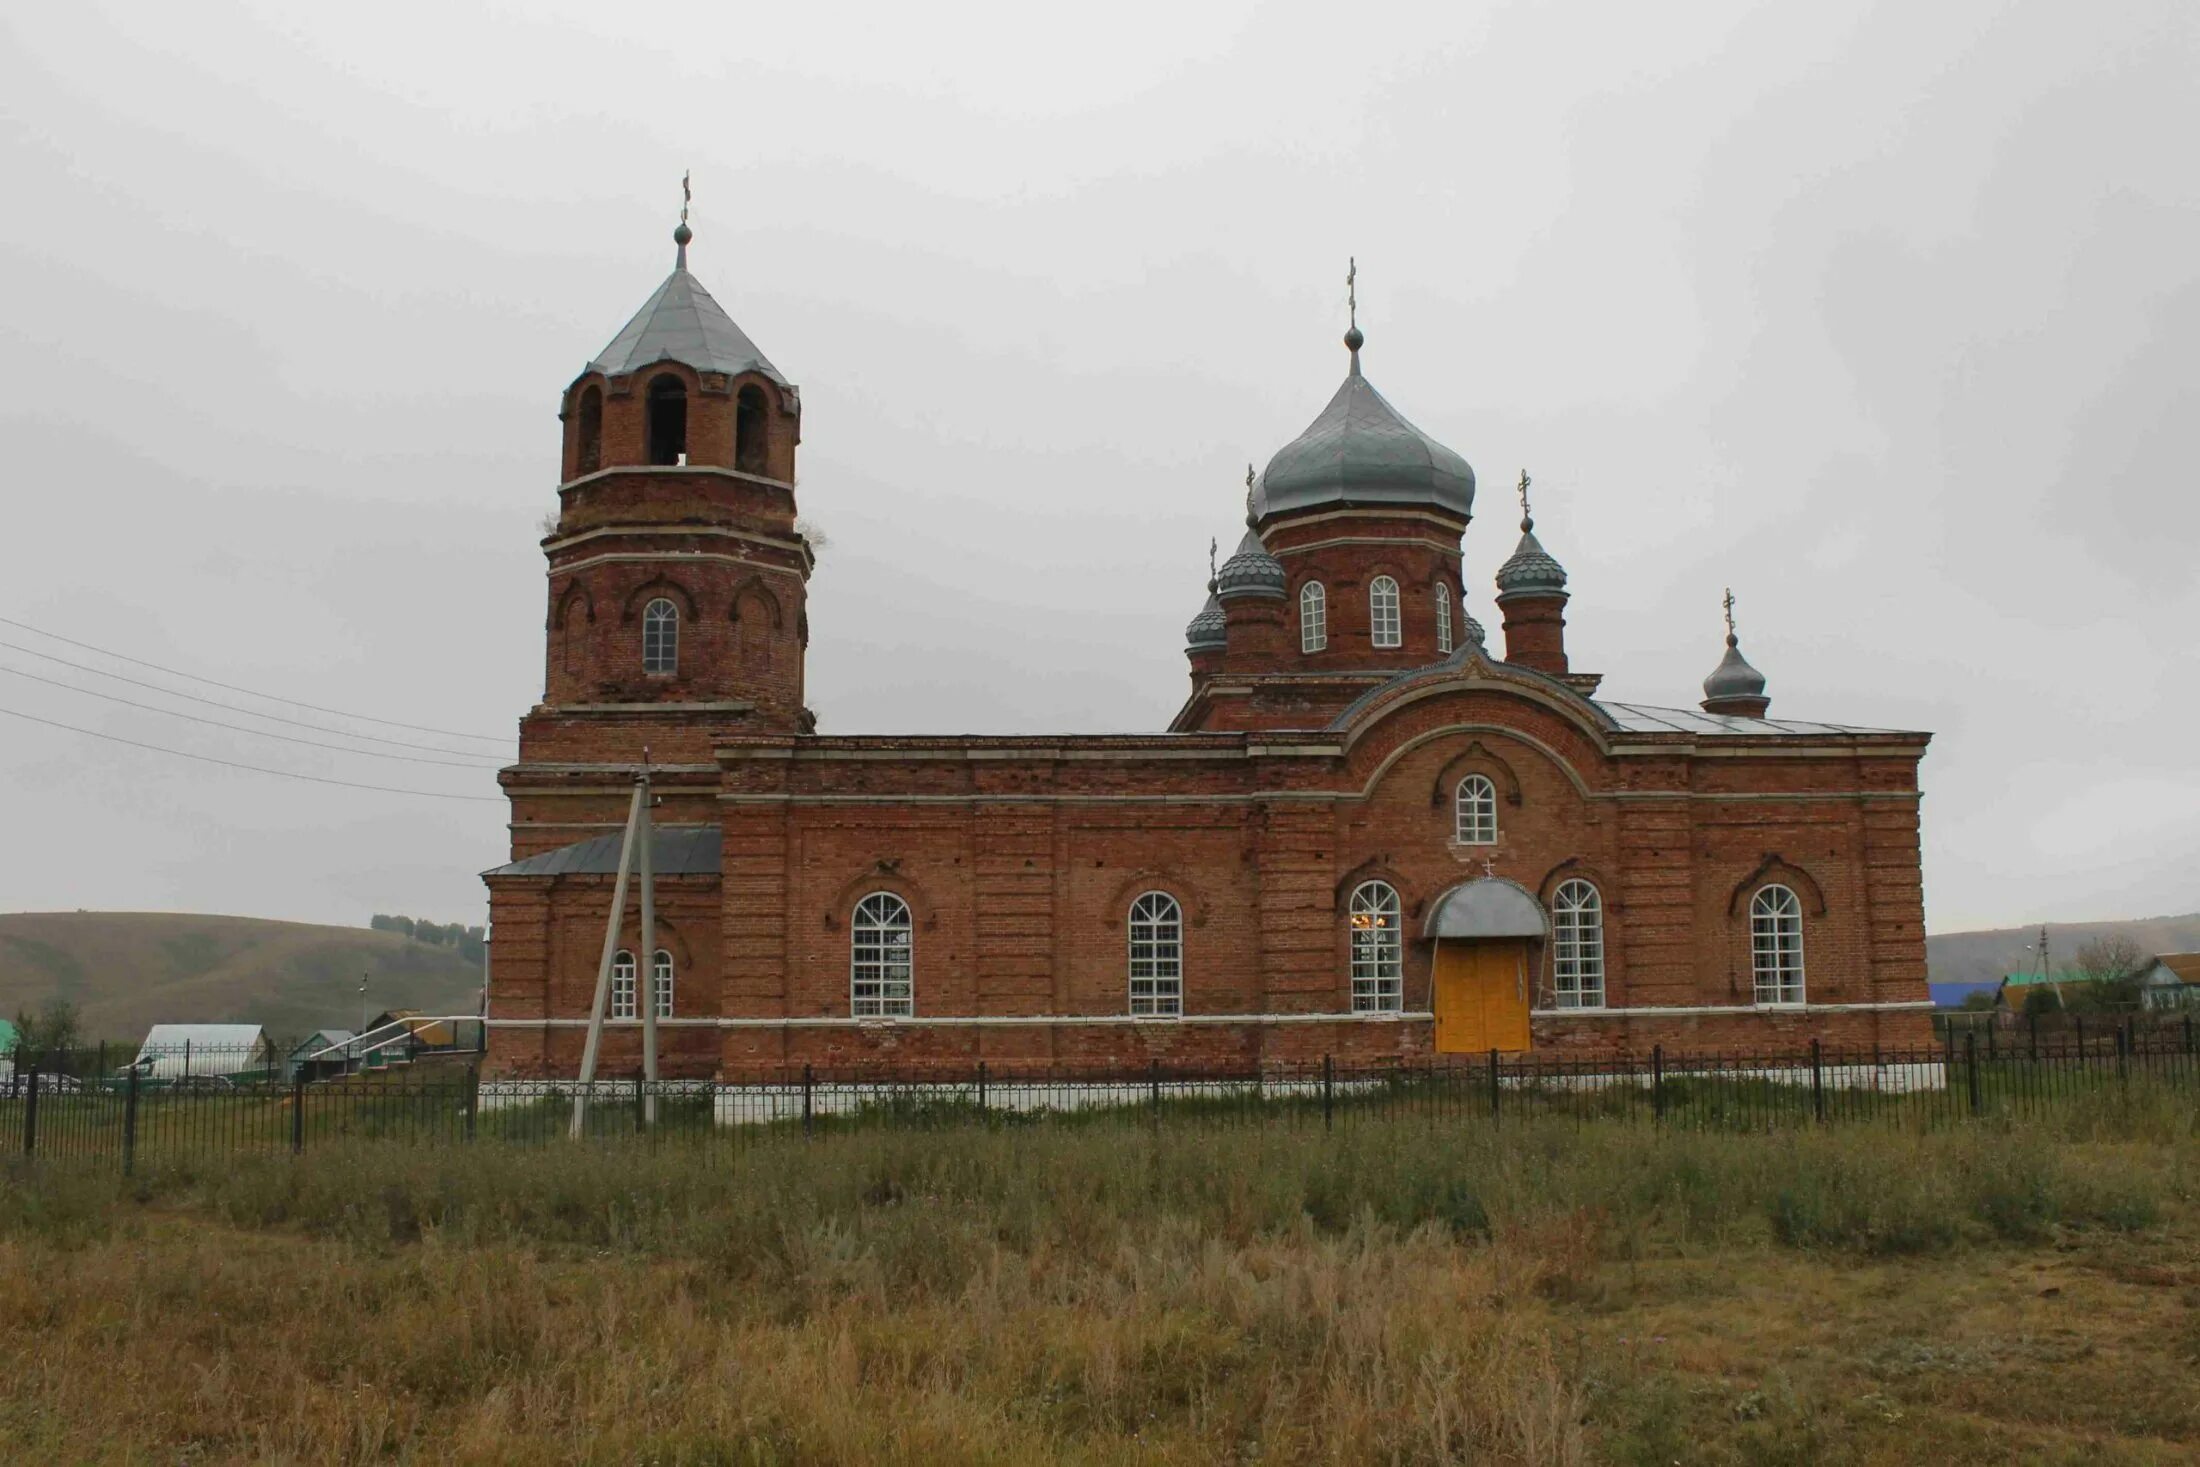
1489, 906
674, 850
681, 323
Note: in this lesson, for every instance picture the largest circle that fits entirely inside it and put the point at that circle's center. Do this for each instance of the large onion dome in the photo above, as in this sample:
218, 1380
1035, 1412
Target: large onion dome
1361, 450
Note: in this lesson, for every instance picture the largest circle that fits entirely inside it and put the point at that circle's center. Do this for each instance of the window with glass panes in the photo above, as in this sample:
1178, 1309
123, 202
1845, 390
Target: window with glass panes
1776, 945
1475, 810
622, 985
1378, 950
1157, 955
1382, 612
1577, 946
880, 969
1313, 617
661, 637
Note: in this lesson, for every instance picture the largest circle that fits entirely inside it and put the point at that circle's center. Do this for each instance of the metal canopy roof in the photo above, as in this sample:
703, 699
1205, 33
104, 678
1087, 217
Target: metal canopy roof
1489, 906
1642, 718
681, 323
675, 850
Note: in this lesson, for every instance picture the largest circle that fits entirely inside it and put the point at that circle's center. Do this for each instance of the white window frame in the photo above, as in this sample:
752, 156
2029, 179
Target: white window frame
1313, 617
1378, 949
622, 985
661, 638
1776, 947
882, 959
660, 982
1474, 811
1443, 618
1384, 628
1577, 945
1156, 952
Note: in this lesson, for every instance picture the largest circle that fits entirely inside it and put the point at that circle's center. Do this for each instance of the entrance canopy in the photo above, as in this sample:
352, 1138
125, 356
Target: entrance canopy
1488, 907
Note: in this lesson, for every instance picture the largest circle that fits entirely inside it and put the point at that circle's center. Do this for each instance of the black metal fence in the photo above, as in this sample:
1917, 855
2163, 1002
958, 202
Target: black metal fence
56, 1106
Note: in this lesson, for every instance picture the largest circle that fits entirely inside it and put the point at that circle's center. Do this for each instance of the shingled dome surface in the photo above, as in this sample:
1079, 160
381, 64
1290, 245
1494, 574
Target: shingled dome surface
1251, 570
681, 323
1361, 451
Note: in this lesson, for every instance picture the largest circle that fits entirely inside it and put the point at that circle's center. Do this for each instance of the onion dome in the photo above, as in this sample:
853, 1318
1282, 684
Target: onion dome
1476, 636
1251, 571
1734, 686
1209, 629
1361, 450
1531, 570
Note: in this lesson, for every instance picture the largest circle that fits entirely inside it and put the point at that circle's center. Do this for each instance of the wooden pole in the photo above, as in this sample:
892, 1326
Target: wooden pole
643, 842
603, 966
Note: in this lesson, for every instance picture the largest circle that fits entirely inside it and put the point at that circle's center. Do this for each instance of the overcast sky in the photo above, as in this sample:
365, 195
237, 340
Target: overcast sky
1887, 315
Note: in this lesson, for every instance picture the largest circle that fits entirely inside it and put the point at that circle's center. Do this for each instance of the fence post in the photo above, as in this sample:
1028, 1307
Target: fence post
2188, 1034
2032, 1021
981, 1084
1970, 1060
1153, 1084
186, 1059
1948, 1043
2123, 1050
1329, 1090
129, 1120
1493, 1083
809, 1082
1818, 1079
641, 1103
298, 1111
2079, 1021
1657, 1083
30, 1109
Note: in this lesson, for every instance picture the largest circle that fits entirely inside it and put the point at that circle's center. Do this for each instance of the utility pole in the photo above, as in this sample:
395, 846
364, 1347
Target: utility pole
603, 966
649, 946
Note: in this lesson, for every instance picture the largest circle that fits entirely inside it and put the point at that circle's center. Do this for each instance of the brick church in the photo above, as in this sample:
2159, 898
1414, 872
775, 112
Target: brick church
1368, 831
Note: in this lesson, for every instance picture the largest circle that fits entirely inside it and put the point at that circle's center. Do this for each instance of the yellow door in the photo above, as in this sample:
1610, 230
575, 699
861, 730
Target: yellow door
1458, 1000
1481, 996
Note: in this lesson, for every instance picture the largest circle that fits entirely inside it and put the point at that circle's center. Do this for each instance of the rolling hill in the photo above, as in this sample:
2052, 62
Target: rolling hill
1982, 957
130, 970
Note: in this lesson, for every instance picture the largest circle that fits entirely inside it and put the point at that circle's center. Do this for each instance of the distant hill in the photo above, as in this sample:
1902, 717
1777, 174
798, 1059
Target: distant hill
130, 970
1983, 957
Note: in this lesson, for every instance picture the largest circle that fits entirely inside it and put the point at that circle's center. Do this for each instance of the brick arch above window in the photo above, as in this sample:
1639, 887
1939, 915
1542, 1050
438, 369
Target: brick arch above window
883, 875
575, 590
1476, 758
652, 589
1189, 898
1574, 868
1776, 870
1378, 868
754, 590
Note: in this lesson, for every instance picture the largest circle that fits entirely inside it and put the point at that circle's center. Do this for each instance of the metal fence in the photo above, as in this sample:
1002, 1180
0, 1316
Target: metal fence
55, 1106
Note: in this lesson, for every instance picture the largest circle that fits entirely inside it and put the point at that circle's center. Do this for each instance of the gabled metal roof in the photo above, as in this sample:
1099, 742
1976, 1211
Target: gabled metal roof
675, 850
681, 323
1642, 718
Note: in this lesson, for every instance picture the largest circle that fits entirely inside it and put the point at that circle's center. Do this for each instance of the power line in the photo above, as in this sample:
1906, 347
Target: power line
250, 693
249, 768
233, 708
256, 732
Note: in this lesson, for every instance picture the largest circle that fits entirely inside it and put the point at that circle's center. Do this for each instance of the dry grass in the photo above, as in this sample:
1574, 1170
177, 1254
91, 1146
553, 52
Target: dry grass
1393, 1294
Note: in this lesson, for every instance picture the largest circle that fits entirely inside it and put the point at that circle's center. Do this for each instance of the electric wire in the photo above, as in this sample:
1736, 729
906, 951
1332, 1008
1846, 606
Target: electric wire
252, 693
233, 708
470, 762
249, 768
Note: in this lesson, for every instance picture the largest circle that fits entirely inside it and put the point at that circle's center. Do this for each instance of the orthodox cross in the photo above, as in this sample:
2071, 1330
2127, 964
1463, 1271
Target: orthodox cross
1524, 482
1728, 603
1489, 867
1352, 289
687, 195
1211, 544
1248, 494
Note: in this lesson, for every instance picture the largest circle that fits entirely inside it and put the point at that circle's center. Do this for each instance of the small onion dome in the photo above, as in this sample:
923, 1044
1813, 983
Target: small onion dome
1476, 636
1362, 451
1209, 628
1733, 678
1251, 571
1531, 571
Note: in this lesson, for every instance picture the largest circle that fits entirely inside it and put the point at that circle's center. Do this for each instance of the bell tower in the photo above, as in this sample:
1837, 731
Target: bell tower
677, 578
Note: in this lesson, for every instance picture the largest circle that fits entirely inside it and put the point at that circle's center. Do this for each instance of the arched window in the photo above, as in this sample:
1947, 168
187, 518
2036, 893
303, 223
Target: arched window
1382, 612
622, 985
591, 430
661, 637
749, 455
1443, 617
661, 983
1378, 950
1157, 955
1475, 811
668, 420
1776, 945
1577, 946
880, 971
1313, 617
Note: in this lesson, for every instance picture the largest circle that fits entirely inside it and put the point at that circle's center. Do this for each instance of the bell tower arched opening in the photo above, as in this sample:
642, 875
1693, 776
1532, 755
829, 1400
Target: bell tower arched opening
751, 446
668, 419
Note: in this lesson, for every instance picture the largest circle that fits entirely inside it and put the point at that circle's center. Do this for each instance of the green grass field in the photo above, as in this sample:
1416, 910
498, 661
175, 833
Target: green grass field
1397, 1291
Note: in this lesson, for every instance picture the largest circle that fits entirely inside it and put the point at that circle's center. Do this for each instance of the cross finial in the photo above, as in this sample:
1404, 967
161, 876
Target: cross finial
1527, 520
1248, 496
1212, 545
1352, 290
1728, 604
682, 234
1489, 867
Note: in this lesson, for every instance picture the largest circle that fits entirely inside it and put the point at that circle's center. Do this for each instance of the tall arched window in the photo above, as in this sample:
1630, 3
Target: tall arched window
880, 968
1157, 955
661, 637
1382, 612
1577, 946
1313, 617
749, 455
661, 983
591, 430
1443, 617
622, 985
1475, 811
1776, 945
1378, 950
668, 420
